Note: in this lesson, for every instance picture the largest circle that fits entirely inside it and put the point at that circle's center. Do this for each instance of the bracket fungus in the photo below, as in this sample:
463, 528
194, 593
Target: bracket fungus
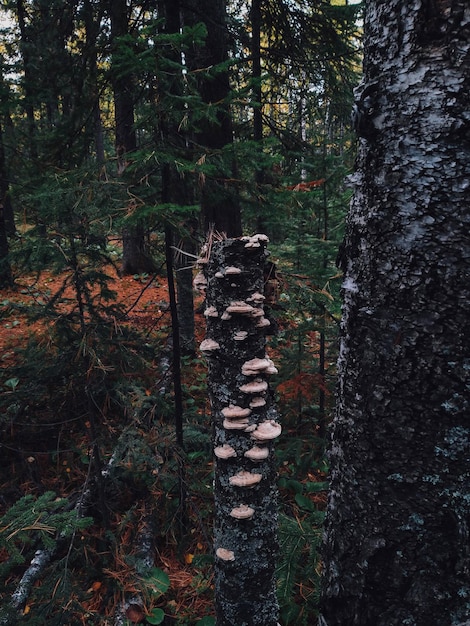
224, 451
235, 424
225, 555
253, 367
263, 322
232, 271
270, 429
200, 282
255, 386
255, 240
242, 512
257, 402
211, 311
257, 453
256, 297
234, 412
245, 479
208, 346
239, 307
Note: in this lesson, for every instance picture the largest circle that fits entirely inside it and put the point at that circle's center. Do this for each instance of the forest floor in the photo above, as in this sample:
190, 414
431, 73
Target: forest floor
144, 297
145, 300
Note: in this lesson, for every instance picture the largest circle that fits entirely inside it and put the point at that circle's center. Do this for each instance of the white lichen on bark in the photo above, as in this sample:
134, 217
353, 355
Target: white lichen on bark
396, 549
245, 492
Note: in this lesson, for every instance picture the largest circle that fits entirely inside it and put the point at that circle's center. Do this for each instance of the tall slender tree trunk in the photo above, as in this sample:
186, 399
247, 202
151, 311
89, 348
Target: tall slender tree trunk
256, 71
6, 132
219, 199
25, 48
258, 102
6, 278
92, 29
397, 534
135, 258
245, 427
178, 189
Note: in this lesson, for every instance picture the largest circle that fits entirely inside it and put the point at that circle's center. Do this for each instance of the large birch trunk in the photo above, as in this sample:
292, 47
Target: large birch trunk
397, 536
245, 427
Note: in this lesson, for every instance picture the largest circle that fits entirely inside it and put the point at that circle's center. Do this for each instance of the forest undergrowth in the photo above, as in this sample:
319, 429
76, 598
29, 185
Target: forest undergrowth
90, 471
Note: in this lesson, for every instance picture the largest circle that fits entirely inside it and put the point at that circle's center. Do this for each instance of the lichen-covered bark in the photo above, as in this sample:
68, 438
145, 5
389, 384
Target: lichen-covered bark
397, 546
245, 427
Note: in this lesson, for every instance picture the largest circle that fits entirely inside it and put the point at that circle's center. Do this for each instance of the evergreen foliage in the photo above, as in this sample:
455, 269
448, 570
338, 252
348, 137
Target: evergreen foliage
87, 409
34, 524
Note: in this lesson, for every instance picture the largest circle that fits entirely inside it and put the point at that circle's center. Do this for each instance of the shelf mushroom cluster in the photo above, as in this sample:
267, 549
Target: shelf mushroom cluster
246, 430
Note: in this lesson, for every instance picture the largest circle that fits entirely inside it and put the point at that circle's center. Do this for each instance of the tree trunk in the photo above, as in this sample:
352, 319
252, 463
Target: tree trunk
135, 259
256, 72
397, 534
92, 29
178, 189
219, 199
28, 69
6, 212
245, 426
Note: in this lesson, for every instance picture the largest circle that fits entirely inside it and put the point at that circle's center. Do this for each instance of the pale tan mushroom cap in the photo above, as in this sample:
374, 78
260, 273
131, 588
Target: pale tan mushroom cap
257, 402
235, 424
224, 452
240, 307
257, 366
256, 453
232, 270
257, 298
225, 555
200, 282
245, 479
242, 512
256, 386
267, 430
209, 345
234, 412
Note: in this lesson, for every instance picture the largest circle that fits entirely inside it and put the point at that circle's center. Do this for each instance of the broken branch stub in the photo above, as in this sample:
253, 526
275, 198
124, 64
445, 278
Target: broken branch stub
245, 537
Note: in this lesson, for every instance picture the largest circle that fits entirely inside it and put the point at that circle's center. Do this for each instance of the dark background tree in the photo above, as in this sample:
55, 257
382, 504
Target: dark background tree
214, 137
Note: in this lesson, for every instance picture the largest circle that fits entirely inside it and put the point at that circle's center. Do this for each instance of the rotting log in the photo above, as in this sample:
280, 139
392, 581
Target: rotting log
245, 426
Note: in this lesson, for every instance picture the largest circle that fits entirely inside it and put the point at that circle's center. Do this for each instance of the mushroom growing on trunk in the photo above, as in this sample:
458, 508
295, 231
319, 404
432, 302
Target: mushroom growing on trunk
245, 535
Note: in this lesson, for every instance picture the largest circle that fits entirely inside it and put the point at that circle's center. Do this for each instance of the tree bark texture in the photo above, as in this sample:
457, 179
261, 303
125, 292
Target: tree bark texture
397, 547
219, 199
135, 258
6, 279
245, 427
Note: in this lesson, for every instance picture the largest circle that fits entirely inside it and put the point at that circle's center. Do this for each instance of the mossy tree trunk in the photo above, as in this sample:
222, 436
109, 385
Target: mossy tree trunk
397, 534
245, 427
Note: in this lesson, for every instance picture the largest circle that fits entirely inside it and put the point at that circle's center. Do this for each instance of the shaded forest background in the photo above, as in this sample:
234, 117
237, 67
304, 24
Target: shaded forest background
128, 132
